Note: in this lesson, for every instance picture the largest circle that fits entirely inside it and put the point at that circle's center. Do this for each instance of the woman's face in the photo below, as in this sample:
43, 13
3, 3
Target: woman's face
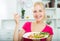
38, 13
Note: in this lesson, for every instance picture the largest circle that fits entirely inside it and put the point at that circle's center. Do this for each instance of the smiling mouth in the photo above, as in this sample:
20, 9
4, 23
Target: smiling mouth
38, 17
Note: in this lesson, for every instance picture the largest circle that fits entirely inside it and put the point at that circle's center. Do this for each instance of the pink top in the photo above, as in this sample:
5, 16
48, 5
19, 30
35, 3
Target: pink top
27, 28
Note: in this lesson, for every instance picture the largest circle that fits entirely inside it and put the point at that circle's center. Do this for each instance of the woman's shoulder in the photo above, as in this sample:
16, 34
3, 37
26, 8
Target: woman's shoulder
27, 23
26, 26
49, 29
49, 26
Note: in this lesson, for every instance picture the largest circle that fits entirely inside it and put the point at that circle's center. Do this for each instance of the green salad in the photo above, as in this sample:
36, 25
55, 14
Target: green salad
39, 35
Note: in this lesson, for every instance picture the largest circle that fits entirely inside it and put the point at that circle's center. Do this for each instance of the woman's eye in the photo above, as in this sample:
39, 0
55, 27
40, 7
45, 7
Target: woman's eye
40, 10
34, 11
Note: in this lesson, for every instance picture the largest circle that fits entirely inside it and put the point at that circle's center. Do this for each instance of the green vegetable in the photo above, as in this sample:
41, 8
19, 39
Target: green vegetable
37, 35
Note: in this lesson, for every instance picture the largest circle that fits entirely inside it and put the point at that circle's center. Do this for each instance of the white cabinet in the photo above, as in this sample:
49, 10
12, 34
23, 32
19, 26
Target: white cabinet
7, 30
58, 29
58, 13
6, 35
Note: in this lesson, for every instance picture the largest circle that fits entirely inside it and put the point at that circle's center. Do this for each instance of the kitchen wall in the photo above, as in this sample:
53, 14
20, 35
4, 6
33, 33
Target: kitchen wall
7, 9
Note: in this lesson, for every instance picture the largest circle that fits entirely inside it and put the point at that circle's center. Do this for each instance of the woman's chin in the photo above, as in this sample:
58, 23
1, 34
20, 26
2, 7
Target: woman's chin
38, 20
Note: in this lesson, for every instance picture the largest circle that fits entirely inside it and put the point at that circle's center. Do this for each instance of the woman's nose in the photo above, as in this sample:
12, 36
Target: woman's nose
38, 13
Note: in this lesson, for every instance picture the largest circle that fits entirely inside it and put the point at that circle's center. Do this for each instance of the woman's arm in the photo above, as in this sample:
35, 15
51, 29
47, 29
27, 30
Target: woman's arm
17, 34
20, 34
16, 18
15, 37
49, 38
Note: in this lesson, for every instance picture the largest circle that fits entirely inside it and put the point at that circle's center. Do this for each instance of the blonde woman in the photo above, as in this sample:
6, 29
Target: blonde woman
37, 26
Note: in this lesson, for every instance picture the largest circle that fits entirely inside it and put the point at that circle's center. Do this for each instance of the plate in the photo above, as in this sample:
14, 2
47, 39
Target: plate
36, 35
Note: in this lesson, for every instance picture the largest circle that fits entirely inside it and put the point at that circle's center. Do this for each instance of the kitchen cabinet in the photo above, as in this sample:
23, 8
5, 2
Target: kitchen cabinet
58, 29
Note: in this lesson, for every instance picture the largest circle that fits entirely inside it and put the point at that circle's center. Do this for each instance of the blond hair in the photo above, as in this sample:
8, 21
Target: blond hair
39, 3
42, 6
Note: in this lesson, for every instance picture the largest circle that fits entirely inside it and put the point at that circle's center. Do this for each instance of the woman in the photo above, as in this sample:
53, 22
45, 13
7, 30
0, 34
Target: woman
37, 26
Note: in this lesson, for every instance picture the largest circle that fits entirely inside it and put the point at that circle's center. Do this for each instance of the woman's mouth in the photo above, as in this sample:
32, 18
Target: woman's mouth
38, 17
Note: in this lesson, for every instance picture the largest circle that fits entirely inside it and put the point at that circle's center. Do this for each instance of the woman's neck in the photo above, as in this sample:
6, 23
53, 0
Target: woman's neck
39, 22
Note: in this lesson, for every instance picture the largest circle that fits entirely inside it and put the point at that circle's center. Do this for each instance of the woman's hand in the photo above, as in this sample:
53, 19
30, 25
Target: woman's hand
49, 38
16, 17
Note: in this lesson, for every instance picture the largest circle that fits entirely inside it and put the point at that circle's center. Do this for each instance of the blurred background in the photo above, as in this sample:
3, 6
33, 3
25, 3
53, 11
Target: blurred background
24, 9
